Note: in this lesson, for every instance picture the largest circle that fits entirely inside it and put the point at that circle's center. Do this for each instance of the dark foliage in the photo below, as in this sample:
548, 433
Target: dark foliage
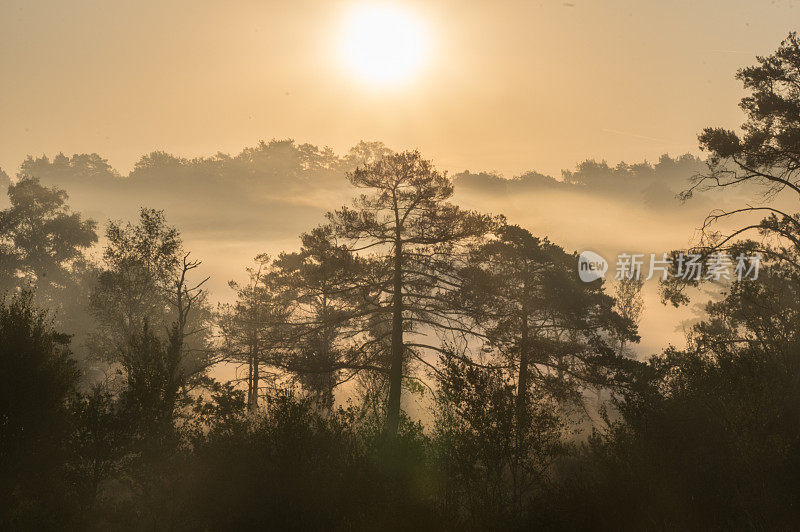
37, 377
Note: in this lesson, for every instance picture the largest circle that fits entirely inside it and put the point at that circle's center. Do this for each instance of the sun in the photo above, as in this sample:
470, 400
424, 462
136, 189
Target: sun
384, 44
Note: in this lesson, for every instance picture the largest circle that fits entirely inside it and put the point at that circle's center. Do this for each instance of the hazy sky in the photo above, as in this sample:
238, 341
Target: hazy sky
507, 85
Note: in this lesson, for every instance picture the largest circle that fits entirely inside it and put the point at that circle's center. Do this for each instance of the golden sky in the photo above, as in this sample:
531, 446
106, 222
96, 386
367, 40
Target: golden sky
507, 85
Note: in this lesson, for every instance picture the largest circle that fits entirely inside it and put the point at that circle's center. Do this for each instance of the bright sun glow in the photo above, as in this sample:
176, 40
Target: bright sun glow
384, 44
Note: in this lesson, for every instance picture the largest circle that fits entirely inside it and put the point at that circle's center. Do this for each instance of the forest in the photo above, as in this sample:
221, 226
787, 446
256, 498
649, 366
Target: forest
414, 363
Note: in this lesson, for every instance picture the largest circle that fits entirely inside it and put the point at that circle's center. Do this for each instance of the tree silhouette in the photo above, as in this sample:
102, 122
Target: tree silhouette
555, 331
254, 326
42, 243
493, 464
322, 347
37, 377
407, 225
145, 285
766, 157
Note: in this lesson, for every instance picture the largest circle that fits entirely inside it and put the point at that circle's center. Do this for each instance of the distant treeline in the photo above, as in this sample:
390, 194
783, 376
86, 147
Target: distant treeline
277, 188
282, 169
656, 184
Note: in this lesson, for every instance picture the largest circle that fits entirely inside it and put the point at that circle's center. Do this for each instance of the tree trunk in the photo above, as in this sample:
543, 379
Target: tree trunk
252, 388
254, 399
396, 368
249, 379
521, 410
522, 380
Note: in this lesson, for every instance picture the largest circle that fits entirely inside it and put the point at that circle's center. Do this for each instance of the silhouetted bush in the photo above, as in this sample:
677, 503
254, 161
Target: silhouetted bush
37, 378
